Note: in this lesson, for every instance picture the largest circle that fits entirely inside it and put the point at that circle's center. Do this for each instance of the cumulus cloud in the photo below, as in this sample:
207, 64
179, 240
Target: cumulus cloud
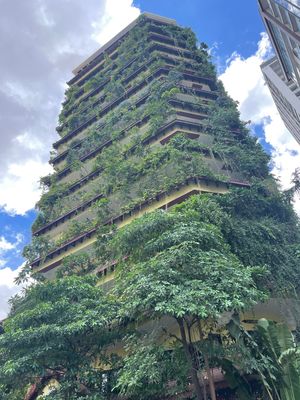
8, 288
5, 244
117, 15
9, 247
41, 42
19, 187
244, 82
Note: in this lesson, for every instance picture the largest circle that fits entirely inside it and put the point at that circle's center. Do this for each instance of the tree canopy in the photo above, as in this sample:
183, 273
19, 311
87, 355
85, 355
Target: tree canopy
58, 331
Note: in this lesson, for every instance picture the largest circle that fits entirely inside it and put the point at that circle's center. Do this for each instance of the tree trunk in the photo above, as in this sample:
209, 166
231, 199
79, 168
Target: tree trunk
190, 360
212, 389
204, 387
211, 383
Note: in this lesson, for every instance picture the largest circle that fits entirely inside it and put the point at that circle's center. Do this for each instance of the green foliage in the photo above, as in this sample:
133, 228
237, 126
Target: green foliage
144, 174
233, 141
76, 264
263, 229
183, 268
39, 247
59, 330
131, 55
74, 229
93, 83
133, 46
9, 393
48, 204
187, 269
279, 346
294, 190
51, 204
149, 367
178, 265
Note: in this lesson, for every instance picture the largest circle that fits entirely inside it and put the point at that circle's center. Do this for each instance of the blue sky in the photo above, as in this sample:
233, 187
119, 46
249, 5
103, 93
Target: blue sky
235, 25
225, 26
53, 38
15, 229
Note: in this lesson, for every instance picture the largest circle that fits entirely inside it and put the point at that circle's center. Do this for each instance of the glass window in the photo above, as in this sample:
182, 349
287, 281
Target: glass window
292, 5
282, 51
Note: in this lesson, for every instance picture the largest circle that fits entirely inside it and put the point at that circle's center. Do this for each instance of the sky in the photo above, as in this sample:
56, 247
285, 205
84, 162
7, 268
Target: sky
43, 40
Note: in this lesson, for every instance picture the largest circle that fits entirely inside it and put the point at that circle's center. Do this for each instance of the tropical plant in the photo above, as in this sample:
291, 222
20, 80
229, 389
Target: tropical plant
278, 344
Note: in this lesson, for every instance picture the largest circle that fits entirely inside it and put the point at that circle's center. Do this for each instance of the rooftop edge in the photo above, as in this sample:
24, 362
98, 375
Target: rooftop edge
119, 36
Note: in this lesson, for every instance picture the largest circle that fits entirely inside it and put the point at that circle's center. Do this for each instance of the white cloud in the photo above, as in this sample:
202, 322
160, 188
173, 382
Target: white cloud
9, 248
19, 189
244, 82
117, 15
7, 288
32, 80
5, 245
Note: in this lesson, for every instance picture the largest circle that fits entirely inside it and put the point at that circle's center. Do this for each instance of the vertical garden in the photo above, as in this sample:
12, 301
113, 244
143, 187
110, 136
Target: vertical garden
164, 257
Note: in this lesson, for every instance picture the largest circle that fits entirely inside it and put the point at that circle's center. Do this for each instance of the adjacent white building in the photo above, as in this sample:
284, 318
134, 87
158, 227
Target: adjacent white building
286, 95
282, 72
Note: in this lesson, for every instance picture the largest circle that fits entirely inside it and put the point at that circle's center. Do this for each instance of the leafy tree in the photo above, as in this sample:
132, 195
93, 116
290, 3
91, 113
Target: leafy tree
263, 229
295, 188
178, 265
59, 331
76, 264
148, 365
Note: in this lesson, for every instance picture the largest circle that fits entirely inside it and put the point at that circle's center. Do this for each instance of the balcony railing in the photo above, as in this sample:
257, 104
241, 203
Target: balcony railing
156, 74
112, 49
186, 108
122, 217
188, 128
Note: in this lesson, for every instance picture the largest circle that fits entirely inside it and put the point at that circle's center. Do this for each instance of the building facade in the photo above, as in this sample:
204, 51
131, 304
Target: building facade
285, 95
282, 22
128, 101
145, 125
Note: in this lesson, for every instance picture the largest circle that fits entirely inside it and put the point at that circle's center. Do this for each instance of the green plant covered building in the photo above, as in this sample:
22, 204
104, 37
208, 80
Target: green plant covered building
145, 128
138, 132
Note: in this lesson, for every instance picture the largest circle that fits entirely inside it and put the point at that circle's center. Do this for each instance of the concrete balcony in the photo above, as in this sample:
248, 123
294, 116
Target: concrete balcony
162, 200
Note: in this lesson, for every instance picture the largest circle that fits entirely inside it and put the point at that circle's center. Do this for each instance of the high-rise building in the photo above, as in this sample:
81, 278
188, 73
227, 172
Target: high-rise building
145, 125
128, 100
285, 95
282, 73
282, 21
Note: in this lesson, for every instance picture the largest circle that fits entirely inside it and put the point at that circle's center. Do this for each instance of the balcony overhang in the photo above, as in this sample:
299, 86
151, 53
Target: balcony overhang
116, 38
178, 194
